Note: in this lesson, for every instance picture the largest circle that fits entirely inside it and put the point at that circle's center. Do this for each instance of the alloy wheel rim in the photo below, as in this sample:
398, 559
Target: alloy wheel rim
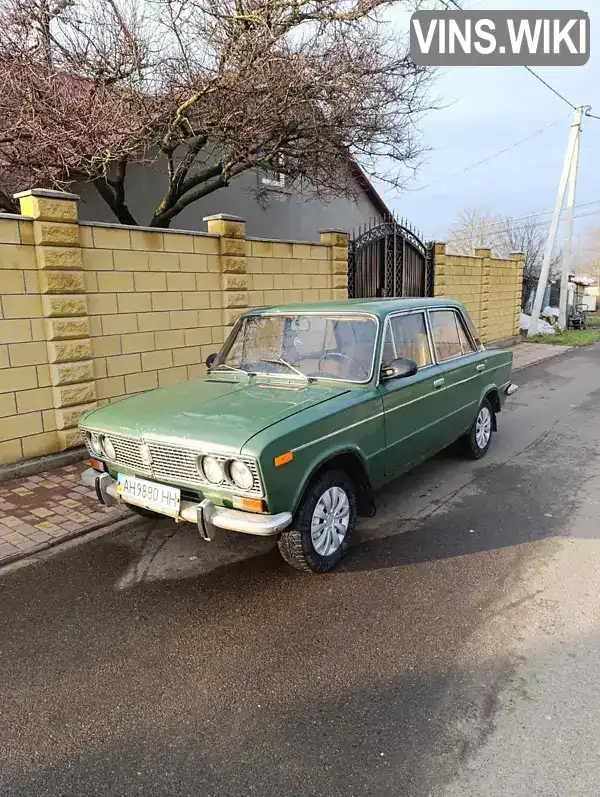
483, 427
330, 520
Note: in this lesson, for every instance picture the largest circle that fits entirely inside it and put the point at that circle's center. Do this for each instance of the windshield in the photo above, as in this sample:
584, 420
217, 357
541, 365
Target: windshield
309, 346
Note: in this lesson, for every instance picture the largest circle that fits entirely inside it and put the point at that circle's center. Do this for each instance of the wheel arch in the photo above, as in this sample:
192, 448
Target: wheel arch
492, 394
352, 462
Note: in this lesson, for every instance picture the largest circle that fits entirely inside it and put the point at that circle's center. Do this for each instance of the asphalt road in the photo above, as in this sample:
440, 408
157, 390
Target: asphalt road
150, 663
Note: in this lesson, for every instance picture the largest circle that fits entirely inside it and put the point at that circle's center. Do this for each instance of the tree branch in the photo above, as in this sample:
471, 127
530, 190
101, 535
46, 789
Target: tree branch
113, 196
7, 203
164, 219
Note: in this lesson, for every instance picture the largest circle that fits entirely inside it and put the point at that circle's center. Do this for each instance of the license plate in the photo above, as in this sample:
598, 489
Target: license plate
158, 497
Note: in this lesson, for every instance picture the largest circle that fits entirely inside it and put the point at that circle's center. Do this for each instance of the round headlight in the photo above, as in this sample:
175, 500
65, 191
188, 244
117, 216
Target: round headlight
241, 475
109, 449
94, 443
213, 470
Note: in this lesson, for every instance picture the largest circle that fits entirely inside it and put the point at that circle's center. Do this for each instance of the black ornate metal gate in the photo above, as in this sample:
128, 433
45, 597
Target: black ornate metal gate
388, 259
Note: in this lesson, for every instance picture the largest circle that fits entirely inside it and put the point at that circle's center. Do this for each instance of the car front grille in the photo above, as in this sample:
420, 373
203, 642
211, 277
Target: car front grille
128, 453
174, 463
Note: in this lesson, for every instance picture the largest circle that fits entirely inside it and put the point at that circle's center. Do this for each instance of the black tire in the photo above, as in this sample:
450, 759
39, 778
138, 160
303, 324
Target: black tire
296, 543
141, 510
472, 447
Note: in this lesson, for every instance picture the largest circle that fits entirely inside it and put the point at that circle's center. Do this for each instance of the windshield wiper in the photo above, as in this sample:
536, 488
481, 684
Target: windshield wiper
232, 368
289, 365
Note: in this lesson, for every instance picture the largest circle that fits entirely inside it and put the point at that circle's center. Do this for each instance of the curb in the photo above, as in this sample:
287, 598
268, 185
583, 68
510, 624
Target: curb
544, 359
31, 467
116, 525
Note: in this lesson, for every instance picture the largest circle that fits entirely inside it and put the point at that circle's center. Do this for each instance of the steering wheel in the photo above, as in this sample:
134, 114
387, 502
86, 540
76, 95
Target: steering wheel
342, 356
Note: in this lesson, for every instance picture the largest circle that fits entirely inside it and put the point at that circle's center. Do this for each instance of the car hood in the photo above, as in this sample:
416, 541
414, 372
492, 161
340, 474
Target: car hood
223, 412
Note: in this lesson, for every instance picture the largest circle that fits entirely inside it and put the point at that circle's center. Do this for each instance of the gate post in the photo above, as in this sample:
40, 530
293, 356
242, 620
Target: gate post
430, 265
484, 312
439, 288
337, 241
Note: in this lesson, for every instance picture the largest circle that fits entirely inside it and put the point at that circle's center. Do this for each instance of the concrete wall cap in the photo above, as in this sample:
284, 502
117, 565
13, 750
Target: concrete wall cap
223, 217
47, 194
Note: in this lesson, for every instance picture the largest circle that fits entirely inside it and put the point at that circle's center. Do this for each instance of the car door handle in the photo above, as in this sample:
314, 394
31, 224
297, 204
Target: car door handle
481, 367
438, 383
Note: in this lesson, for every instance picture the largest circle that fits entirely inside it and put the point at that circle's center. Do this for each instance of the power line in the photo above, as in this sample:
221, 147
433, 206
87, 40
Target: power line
484, 160
552, 89
527, 216
508, 228
530, 70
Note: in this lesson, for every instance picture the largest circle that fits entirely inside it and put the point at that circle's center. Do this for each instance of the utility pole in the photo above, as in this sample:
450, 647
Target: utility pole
568, 251
567, 172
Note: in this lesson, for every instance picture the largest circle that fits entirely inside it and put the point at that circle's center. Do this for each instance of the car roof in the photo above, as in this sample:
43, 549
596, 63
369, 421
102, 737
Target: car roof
378, 307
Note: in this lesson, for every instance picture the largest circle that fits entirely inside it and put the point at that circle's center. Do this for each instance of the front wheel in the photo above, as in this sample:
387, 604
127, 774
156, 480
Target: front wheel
323, 524
479, 437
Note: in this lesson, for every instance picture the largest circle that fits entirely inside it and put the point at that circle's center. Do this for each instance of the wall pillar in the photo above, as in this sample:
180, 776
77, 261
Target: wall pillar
519, 260
439, 274
486, 270
64, 304
337, 241
234, 264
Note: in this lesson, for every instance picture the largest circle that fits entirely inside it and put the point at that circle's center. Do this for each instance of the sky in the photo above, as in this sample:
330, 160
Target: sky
489, 108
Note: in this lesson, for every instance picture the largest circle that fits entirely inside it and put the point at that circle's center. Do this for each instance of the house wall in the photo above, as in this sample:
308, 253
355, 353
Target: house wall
90, 313
490, 288
288, 215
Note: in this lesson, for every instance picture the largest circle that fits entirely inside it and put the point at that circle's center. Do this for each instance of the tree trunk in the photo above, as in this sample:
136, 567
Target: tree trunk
117, 205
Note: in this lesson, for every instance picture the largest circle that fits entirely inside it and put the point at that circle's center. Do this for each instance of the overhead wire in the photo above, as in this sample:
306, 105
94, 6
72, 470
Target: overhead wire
529, 69
506, 229
552, 89
484, 160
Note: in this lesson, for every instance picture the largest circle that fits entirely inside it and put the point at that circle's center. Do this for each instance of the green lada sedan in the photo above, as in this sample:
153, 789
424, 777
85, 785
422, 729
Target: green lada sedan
303, 414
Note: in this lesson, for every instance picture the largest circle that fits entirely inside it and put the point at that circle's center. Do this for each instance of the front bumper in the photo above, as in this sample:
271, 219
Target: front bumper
204, 514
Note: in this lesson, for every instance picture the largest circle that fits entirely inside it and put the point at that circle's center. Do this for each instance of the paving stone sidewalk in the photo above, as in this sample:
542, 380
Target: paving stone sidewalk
526, 354
39, 511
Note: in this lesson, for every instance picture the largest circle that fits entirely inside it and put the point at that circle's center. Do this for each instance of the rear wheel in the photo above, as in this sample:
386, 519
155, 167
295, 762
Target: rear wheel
477, 440
323, 525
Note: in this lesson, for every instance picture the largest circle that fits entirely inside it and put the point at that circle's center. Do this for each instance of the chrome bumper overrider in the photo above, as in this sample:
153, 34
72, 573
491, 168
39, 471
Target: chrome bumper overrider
205, 514
511, 389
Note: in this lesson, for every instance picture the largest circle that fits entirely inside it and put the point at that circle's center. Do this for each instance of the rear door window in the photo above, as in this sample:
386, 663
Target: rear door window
446, 338
467, 346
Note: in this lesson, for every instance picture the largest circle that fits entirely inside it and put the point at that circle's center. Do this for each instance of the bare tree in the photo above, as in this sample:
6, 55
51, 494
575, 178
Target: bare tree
207, 88
504, 235
474, 228
587, 258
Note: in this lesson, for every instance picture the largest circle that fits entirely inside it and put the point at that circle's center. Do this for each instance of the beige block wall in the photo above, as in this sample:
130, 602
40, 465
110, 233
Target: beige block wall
27, 420
155, 307
505, 299
288, 273
91, 313
490, 289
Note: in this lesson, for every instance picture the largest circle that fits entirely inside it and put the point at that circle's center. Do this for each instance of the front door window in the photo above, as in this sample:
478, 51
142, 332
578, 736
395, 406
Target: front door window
406, 336
411, 404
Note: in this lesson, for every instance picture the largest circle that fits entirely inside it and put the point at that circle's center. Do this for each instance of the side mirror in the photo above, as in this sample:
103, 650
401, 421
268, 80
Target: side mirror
210, 359
402, 367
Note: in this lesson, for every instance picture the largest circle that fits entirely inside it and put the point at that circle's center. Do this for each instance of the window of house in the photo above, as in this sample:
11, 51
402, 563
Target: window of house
406, 336
273, 178
444, 330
